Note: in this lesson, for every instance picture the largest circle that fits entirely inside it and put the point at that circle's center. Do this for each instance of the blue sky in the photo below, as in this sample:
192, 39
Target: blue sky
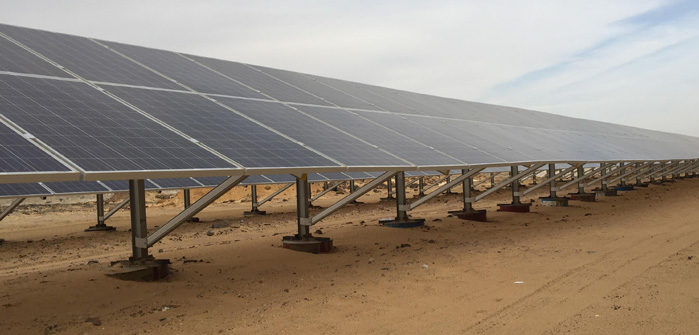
625, 61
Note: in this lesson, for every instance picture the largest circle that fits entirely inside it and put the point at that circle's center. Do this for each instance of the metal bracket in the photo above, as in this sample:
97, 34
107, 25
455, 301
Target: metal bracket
403, 207
305, 221
141, 242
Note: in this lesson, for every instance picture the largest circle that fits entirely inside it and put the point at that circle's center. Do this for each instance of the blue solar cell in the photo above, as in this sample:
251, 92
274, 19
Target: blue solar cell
234, 136
95, 131
185, 71
86, 58
17, 154
316, 88
260, 81
76, 187
360, 175
313, 133
169, 183
22, 190
15, 59
401, 145
281, 178
432, 137
335, 176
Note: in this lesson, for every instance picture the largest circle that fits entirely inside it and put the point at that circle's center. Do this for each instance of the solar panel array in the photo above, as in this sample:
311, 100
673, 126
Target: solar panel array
100, 110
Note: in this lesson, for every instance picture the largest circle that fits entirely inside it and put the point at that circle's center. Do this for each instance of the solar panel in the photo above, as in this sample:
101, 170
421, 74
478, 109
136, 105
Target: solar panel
260, 81
317, 135
432, 138
15, 59
86, 58
281, 178
359, 175
17, 154
493, 139
170, 183
184, 71
123, 185
400, 144
316, 88
17, 190
335, 176
221, 129
76, 187
95, 131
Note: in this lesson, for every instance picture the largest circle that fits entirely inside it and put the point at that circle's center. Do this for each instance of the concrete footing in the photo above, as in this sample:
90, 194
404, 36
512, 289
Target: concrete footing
308, 244
100, 227
254, 212
610, 192
517, 208
149, 269
407, 223
474, 215
554, 201
624, 188
586, 197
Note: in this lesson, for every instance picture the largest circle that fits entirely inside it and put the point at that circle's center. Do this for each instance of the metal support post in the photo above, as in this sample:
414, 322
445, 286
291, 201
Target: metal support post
187, 198
639, 181
402, 219
421, 187
139, 228
492, 179
448, 180
604, 174
603, 182
553, 199
304, 240
101, 225
389, 187
352, 188
254, 205
141, 265
187, 195
468, 213
580, 195
622, 165
516, 205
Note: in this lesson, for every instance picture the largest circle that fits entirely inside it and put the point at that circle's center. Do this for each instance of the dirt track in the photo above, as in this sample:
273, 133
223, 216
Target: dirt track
623, 265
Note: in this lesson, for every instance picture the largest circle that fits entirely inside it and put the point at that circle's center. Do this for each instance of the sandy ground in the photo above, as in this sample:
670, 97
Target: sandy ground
622, 265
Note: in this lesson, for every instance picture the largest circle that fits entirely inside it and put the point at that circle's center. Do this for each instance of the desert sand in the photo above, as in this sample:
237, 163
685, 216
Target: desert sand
622, 265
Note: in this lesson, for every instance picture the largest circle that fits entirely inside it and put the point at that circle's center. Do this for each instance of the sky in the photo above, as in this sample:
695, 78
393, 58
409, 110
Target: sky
633, 62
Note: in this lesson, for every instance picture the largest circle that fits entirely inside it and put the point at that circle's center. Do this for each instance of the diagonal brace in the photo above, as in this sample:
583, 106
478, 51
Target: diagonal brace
325, 191
11, 207
509, 181
352, 196
195, 208
583, 177
443, 188
116, 208
276, 193
547, 181
627, 173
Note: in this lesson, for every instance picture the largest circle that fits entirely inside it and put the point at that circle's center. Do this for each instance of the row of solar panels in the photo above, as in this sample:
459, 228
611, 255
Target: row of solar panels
24, 190
107, 111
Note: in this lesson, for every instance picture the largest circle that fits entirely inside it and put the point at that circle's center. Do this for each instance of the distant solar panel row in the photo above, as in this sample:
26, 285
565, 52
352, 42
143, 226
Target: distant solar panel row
14, 190
115, 111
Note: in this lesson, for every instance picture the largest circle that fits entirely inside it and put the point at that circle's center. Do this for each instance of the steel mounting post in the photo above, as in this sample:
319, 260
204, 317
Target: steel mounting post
304, 240
254, 204
402, 220
101, 219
